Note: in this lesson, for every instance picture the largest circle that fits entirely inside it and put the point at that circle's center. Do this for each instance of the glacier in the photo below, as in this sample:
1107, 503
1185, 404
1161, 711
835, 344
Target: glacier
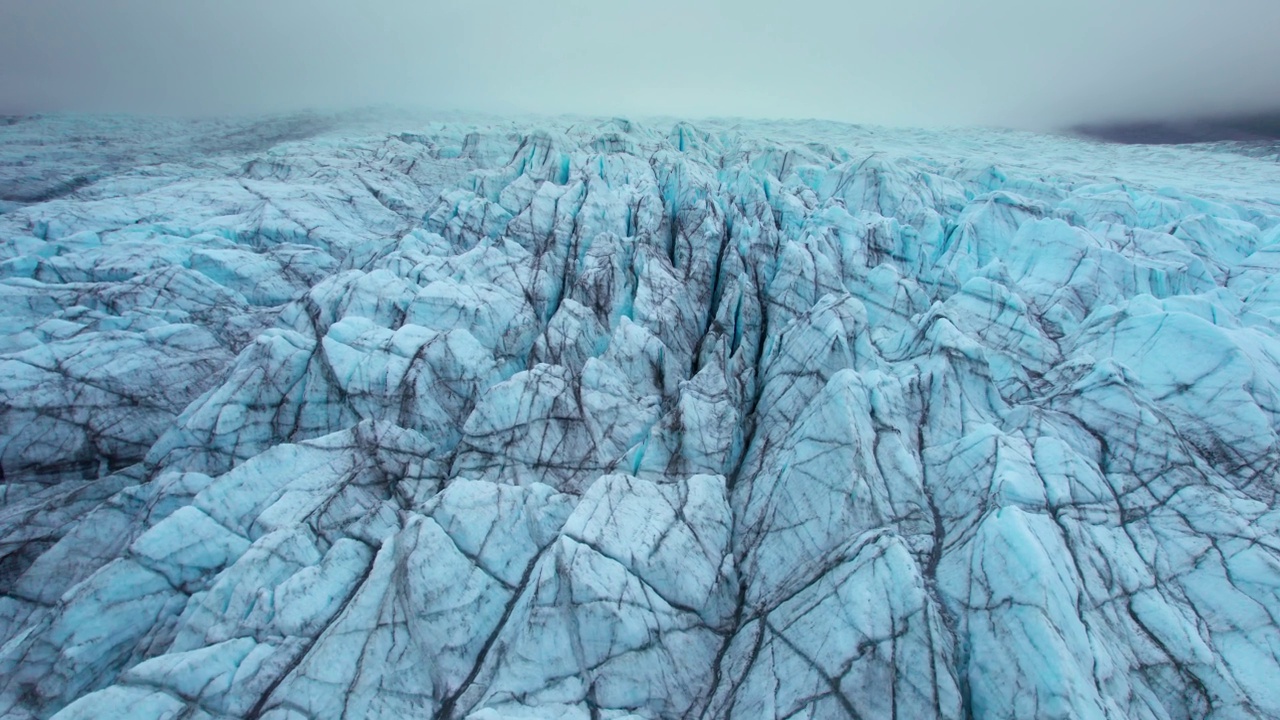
380, 416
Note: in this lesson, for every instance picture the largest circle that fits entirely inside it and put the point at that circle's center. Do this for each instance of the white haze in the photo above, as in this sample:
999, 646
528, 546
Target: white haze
1043, 63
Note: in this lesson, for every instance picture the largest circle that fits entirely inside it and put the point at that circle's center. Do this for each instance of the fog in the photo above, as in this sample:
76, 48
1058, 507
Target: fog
1021, 63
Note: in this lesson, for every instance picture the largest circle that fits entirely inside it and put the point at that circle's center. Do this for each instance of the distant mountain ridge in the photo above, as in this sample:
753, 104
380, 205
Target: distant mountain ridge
1251, 128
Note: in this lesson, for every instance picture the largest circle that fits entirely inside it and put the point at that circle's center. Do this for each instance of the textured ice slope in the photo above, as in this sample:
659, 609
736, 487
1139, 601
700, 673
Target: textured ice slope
321, 418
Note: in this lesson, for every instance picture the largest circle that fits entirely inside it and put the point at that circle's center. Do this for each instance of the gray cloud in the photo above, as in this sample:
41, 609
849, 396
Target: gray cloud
1032, 63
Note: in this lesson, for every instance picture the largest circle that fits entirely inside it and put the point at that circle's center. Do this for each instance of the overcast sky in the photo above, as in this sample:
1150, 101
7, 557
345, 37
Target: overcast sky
1024, 63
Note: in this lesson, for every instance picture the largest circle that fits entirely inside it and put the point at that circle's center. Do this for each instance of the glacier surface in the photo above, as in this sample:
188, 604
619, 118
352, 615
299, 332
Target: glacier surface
373, 417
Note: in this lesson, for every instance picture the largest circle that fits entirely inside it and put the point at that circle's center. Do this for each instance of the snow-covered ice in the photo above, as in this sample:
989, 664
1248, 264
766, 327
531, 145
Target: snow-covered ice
391, 417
